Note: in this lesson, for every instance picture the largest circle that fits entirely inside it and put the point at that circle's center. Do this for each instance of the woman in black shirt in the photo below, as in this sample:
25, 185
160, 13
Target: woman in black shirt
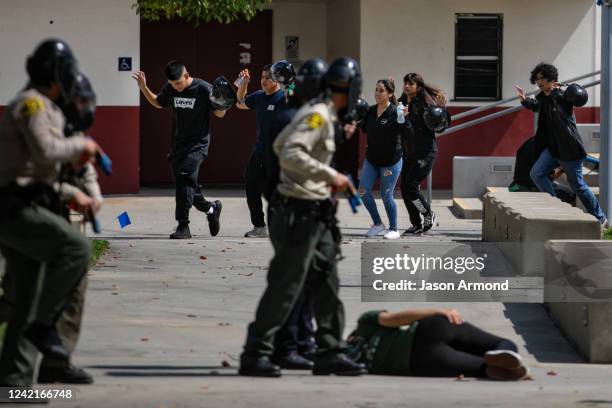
383, 157
419, 151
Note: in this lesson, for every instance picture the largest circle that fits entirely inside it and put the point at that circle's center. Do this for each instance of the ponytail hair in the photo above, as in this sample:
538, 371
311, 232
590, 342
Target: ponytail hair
389, 85
433, 96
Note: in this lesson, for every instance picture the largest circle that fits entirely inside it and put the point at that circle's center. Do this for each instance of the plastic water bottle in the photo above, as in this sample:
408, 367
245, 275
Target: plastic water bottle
400, 113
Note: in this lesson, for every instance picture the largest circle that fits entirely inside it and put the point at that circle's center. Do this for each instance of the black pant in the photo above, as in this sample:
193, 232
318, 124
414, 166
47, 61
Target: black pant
414, 171
297, 334
301, 231
185, 169
255, 177
442, 349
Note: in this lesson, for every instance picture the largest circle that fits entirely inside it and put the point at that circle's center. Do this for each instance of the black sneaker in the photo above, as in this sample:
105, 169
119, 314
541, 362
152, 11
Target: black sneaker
213, 219
429, 221
47, 341
414, 230
182, 232
338, 364
258, 367
293, 361
66, 375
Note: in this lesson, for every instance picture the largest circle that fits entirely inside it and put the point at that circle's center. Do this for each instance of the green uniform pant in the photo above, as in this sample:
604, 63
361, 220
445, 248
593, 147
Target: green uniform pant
305, 253
46, 259
68, 325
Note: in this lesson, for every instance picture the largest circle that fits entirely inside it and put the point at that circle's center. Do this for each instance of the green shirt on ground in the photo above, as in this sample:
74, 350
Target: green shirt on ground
384, 350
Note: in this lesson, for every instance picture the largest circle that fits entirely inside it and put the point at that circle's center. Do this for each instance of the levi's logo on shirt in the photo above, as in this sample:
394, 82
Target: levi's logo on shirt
184, 103
271, 107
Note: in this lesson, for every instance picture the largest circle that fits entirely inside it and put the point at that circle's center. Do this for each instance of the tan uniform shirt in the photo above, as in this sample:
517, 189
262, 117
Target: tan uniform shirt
32, 142
305, 149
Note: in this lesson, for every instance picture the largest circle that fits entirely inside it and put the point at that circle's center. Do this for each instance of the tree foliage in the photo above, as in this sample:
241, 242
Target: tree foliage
199, 11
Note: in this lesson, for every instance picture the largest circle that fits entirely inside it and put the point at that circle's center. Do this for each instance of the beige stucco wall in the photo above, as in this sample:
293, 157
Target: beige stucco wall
419, 36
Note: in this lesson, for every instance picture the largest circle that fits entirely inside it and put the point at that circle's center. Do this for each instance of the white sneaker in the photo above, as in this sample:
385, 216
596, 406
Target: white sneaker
375, 230
392, 234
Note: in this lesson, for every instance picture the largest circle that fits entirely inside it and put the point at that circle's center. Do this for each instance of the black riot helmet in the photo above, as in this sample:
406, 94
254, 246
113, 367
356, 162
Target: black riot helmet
53, 62
344, 76
80, 112
282, 72
308, 80
222, 96
436, 118
576, 95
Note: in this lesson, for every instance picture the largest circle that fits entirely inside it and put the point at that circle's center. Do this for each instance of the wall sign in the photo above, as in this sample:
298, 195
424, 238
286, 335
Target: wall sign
125, 64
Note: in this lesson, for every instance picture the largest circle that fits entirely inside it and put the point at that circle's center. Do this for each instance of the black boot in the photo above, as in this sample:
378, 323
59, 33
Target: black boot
182, 231
338, 364
67, 374
47, 341
213, 219
258, 367
293, 361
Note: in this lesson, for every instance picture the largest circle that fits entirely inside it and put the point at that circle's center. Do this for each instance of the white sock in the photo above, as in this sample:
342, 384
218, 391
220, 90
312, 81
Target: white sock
211, 209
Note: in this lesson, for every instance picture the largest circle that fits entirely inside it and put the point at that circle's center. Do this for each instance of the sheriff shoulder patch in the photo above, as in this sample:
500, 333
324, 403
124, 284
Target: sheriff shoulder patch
314, 121
31, 106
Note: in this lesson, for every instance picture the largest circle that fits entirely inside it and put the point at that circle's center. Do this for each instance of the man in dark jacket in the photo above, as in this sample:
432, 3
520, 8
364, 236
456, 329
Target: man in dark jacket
557, 136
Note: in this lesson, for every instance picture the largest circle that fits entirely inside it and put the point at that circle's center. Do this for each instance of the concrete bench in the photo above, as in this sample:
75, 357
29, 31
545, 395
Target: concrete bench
577, 292
589, 132
528, 220
472, 174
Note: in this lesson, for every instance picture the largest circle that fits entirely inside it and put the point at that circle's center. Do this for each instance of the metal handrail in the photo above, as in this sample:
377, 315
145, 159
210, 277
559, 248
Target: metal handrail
494, 104
500, 113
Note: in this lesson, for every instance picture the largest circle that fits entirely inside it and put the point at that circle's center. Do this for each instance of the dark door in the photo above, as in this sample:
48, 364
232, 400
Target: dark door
208, 51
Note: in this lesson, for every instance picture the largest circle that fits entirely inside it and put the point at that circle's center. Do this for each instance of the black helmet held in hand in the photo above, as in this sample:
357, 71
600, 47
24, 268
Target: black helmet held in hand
344, 76
222, 96
282, 72
576, 95
436, 118
308, 80
53, 62
359, 112
81, 110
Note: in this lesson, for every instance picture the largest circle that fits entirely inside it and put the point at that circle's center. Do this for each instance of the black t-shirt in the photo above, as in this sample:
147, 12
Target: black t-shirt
419, 142
191, 112
265, 107
384, 136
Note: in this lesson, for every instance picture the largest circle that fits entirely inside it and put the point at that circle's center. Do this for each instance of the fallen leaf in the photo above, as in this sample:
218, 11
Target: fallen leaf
204, 387
150, 260
144, 339
551, 372
223, 277
203, 271
223, 250
115, 293
225, 363
203, 257
249, 274
528, 378
191, 315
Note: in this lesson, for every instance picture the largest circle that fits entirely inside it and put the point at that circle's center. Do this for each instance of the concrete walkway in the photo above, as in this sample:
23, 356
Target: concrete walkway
164, 319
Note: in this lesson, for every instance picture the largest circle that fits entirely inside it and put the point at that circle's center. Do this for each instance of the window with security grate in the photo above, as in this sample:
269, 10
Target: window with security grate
478, 56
